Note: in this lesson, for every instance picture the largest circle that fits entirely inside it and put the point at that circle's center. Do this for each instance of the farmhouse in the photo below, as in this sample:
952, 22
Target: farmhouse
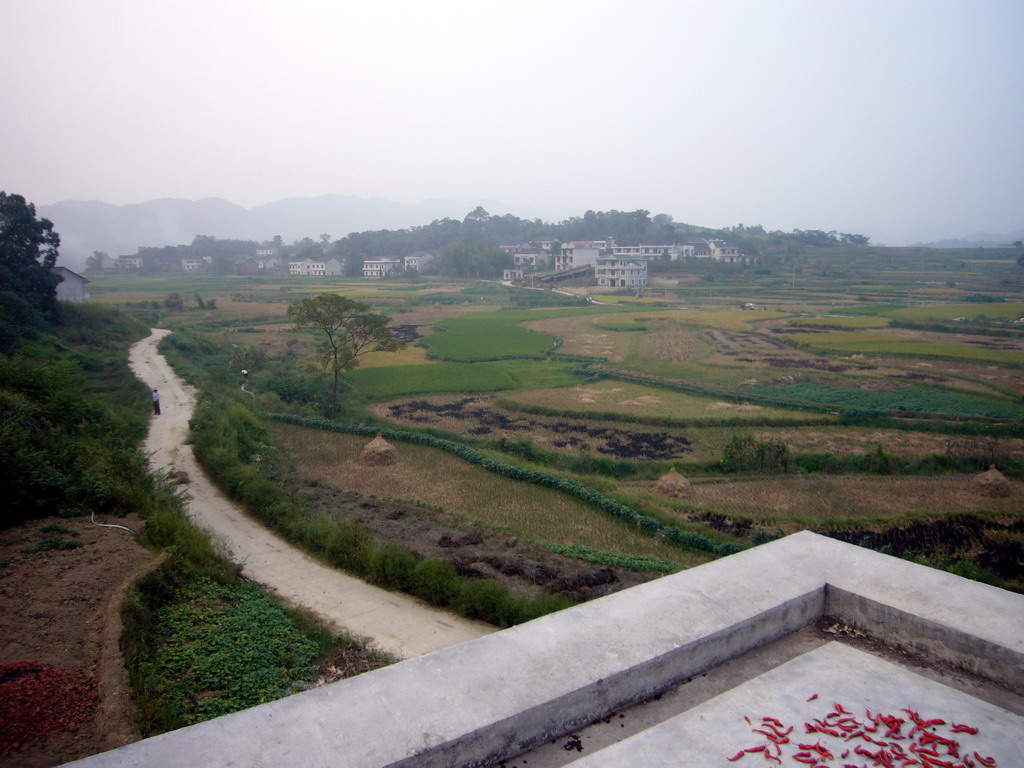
72, 285
318, 268
579, 253
621, 272
382, 267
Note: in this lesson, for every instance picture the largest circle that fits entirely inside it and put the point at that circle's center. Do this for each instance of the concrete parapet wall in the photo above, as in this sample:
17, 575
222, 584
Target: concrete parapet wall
491, 698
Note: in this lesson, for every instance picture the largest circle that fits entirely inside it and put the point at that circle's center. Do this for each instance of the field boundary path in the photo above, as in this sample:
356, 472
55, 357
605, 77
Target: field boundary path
396, 623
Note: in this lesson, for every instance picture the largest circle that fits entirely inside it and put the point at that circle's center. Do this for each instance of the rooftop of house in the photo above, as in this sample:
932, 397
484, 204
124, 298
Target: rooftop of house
533, 686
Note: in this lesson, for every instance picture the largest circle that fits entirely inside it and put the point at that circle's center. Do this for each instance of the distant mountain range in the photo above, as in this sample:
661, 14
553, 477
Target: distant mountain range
978, 240
85, 226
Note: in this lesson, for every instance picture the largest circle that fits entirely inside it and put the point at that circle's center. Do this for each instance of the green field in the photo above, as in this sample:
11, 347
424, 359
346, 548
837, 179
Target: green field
1003, 310
847, 323
916, 399
388, 382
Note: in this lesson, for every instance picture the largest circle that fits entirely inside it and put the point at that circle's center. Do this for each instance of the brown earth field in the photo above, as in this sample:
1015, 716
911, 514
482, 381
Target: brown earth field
478, 417
60, 608
760, 349
476, 551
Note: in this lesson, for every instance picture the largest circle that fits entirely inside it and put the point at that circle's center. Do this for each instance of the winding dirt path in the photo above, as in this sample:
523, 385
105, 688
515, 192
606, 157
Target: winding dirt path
396, 623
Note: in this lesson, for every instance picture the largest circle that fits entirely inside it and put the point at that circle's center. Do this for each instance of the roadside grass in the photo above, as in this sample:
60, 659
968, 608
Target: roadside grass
868, 343
630, 399
434, 477
199, 642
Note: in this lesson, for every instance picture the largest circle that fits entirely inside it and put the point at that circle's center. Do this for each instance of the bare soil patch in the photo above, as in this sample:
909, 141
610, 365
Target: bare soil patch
60, 617
478, 417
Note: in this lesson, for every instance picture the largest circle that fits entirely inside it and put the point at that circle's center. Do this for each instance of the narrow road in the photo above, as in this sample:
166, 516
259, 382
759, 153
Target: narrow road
394, 622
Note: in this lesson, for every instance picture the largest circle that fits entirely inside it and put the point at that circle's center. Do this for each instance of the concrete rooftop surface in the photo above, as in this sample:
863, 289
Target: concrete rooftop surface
489, 701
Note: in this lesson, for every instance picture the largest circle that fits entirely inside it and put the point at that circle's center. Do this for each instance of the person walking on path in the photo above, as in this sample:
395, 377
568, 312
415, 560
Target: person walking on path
156, 401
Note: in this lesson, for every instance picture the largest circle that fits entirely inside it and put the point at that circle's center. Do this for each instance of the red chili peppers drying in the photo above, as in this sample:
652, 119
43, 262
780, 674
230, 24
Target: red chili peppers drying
886, 740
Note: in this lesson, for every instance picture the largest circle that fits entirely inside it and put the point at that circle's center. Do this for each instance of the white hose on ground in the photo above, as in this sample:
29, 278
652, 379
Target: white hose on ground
109, 525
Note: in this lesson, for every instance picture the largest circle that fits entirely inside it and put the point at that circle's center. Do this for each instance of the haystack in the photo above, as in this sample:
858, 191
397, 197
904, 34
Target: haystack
992, 483
378, 453
672, 484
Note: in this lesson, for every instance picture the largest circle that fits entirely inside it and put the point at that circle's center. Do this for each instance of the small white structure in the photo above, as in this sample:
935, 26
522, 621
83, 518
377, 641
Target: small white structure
72, 285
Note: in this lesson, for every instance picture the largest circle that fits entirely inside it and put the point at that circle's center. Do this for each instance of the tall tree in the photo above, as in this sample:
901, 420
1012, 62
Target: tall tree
349, 328
28, 253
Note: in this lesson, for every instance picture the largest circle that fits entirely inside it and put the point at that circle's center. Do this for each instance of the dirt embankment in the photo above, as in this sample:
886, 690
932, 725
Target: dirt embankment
61, 588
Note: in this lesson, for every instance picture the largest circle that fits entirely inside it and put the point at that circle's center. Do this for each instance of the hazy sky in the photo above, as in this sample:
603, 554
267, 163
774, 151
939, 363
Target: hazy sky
901, 119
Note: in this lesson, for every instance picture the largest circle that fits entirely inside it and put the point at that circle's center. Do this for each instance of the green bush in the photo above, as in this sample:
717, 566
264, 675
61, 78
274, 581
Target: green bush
436, 581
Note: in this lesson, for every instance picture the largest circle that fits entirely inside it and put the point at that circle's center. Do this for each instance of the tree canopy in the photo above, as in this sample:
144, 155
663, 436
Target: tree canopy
349, 328
28, 253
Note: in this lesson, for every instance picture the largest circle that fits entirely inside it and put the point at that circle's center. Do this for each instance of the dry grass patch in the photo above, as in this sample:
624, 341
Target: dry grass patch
815, 499
437, 478
638, 399
580, 337
845, 440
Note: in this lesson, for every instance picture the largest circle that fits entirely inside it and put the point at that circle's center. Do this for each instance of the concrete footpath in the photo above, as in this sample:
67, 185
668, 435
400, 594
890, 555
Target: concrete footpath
395, 623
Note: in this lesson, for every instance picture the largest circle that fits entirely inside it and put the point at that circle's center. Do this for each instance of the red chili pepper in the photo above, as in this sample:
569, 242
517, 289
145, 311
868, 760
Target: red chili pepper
737, 756
988, 762
960, 728
812, 697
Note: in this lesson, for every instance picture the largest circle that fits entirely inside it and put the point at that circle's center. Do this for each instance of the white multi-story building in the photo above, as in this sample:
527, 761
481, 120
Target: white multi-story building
578, 253
382, 267
621, 272
315, 268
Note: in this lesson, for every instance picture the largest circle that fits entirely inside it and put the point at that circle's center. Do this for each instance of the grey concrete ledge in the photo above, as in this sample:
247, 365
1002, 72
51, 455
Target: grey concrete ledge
491, 698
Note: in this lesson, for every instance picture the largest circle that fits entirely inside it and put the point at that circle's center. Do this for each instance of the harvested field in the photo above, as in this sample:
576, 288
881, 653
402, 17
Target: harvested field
818, 499
437, 479
655, 402
580, 337
846, 440
478, 417
671, 343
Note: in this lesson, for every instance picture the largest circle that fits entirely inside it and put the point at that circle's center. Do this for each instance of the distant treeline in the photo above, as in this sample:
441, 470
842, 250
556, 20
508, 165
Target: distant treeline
480, 230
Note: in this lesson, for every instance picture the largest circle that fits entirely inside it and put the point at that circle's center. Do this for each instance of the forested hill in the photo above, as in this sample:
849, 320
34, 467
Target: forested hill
367, 227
